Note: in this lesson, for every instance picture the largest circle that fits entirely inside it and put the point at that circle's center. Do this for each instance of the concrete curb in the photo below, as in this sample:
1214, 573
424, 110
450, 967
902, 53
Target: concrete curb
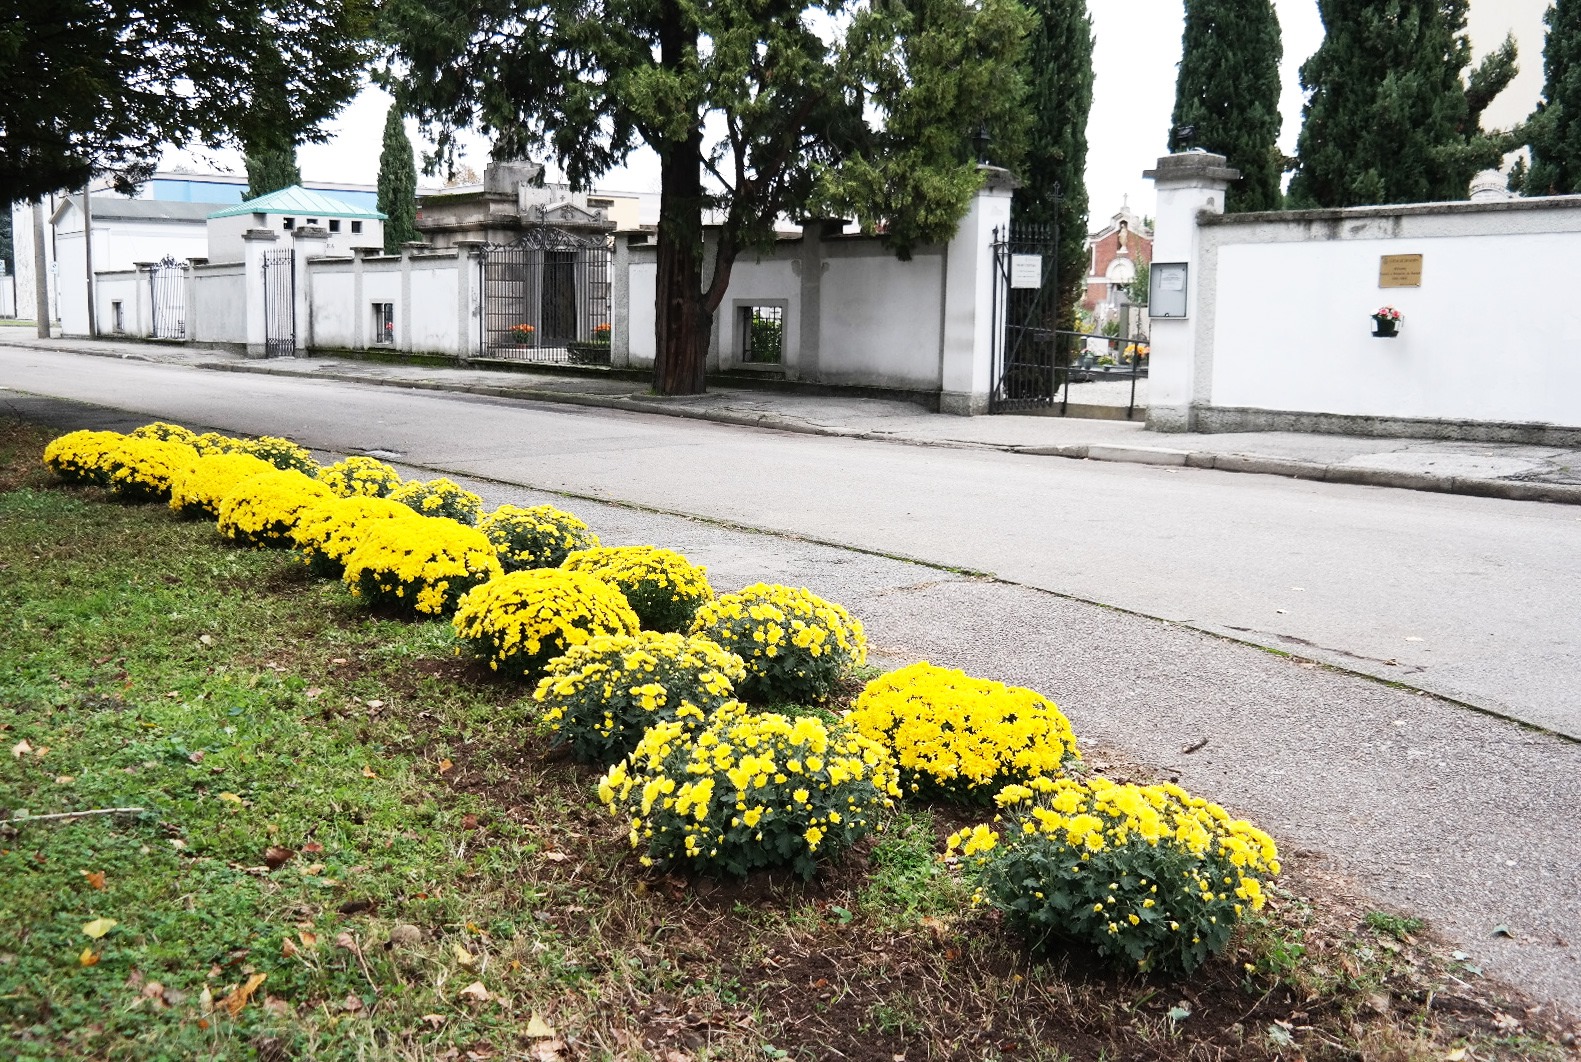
1504, 489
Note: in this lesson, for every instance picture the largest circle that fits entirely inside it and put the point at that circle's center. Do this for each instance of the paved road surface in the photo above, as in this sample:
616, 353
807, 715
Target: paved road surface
1466, 597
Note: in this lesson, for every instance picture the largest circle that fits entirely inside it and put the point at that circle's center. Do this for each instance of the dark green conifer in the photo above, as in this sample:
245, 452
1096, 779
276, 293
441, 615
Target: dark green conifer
271, 168
1054, 181
1389, 118
1227, 94
1554, 129
397, 183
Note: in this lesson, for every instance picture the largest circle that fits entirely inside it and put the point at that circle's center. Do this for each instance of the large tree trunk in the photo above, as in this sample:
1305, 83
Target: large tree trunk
683, 318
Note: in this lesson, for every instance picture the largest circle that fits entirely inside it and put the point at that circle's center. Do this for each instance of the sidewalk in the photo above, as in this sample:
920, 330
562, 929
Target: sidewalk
1496, 470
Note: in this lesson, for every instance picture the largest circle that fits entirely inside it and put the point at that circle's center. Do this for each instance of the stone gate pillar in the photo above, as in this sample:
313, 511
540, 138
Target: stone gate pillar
1189, 184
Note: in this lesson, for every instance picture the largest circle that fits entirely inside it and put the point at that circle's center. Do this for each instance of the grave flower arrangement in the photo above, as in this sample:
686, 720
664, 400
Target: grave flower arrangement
603, 695
749, 791
795, 644
420, 566
519, 621
959, 738
1150, 877
663, 587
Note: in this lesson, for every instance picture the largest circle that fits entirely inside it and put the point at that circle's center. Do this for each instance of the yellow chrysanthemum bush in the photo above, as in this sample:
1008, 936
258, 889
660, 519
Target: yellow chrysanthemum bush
84, 457
664, 588
795, 644
212, 442
439, 497
522, 620
1150, 877
198, 489
538, 536
262, 510
748, 791
166, 432
960, 738
423, 565
145, 468
331, 527
602, 695
360, 476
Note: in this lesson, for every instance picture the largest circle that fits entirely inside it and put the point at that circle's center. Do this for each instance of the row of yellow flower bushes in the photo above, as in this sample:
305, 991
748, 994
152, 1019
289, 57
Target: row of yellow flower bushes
638, 667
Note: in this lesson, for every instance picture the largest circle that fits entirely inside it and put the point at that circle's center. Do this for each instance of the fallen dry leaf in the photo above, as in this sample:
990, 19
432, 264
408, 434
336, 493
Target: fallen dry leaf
64, 779
234, 1002
313, 870
347, 941
476, 991
547, 1051
539, 1029
367, 772
1457, 1055
375, 705
288, 948
276, 856
436, 1020
21, 748
465, 957
309, 940
673, 1055
99, 927
312, 846
445, 765
556, 857
232, 798
206, 1000
206, 639
95, 878
312, 693
89, 957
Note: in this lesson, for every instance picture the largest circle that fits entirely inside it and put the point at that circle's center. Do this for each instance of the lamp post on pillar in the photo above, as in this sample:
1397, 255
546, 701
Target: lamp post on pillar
1180, 303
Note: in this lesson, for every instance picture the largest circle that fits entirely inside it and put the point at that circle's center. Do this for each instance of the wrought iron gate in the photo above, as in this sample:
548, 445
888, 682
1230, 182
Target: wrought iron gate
279, 276
167, 290
546, 298
1028, 365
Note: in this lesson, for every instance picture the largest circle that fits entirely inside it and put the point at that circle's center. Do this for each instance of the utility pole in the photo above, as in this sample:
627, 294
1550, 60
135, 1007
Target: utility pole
87, 257
40, 278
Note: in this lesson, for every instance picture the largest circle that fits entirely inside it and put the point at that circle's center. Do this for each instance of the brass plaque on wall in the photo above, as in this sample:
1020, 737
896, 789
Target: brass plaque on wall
1400, 271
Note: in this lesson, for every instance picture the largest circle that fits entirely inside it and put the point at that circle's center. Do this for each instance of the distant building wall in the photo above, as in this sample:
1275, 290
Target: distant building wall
1279, 331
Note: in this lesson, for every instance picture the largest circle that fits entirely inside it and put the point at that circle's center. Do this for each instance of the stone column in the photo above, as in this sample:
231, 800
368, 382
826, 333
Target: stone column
469, 299
967, 354
308, 242
142, 323
620, 298
1181, 350
255, 244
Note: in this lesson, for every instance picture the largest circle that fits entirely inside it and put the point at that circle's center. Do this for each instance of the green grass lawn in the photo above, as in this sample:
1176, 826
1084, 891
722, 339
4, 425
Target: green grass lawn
351, 844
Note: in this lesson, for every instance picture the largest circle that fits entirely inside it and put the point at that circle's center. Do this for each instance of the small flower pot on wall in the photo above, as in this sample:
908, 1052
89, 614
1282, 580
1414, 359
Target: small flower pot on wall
1386, 323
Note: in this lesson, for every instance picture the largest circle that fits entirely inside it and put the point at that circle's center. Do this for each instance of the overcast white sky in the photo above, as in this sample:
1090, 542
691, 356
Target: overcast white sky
1135, 60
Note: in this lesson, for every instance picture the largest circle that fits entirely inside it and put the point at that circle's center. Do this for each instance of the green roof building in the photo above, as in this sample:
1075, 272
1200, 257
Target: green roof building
288, 210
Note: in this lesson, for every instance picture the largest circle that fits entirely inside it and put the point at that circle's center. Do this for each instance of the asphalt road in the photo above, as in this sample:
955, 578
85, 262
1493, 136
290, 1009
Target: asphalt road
1422, 804
1470, 598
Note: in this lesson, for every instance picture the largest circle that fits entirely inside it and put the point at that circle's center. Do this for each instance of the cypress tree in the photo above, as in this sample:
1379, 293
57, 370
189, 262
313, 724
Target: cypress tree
1228, 94
1389, 118
1059, 74
397, 183
1554, 129
271, 168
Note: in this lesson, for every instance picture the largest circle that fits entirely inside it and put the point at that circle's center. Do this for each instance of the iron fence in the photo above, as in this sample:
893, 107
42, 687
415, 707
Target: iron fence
546, 298
1026, 356
279, 276
167, 290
